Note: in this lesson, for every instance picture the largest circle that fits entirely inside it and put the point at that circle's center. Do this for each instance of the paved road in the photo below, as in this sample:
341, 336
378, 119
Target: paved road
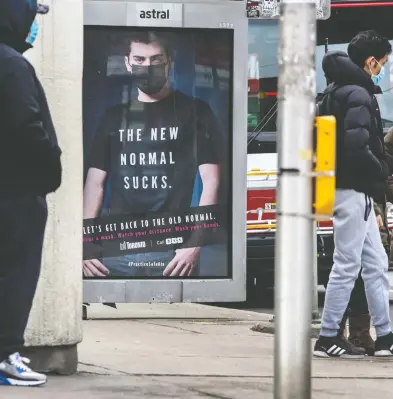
85, 386
192, 351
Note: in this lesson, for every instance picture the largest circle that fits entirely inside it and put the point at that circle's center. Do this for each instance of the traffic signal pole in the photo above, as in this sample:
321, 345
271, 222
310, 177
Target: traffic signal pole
294, 250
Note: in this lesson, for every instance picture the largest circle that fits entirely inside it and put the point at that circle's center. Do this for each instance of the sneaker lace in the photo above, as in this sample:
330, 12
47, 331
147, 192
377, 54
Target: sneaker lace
20, 362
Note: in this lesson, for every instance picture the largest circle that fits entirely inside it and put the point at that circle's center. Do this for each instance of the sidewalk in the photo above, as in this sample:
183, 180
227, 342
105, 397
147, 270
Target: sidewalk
192, 351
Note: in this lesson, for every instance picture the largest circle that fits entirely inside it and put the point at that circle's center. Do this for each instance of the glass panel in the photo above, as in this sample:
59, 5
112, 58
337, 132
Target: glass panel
337, 31
263, 71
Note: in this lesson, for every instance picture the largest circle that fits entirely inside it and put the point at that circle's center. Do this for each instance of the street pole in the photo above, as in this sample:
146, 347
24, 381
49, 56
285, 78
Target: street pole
294, 252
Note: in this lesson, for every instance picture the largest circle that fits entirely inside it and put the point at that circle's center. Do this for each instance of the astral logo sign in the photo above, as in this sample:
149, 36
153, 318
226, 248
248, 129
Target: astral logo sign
154, 14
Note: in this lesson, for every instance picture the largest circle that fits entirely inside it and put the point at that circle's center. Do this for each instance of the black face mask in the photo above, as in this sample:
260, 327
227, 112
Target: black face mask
150, 79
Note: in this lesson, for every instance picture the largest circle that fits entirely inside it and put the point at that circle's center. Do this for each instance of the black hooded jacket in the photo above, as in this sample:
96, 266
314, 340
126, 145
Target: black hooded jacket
29, 153
360, 156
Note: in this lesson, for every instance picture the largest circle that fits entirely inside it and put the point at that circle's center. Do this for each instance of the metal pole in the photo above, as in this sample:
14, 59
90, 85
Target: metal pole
294, 252
316, 317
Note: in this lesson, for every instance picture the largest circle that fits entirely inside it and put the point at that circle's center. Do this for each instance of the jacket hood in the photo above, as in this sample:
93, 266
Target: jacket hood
16, 17
340, 69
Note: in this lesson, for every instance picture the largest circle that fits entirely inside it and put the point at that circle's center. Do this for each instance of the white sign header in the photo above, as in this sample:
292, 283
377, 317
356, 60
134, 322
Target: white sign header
155, 14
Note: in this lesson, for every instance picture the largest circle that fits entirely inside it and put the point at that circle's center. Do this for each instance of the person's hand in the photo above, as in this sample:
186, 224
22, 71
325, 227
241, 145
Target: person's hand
94, 268
380, 222
184, 262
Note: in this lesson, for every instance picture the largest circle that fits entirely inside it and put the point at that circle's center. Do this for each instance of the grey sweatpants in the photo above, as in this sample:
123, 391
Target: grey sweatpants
357, 245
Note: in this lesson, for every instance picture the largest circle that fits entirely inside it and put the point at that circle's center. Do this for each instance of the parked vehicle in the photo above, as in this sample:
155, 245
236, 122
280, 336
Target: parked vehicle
261, 219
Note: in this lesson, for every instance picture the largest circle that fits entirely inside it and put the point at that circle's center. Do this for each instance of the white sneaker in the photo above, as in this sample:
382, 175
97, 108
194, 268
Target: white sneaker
15, 372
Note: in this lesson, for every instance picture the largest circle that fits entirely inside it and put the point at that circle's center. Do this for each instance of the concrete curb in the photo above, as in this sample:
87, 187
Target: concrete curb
269, 328
174, 311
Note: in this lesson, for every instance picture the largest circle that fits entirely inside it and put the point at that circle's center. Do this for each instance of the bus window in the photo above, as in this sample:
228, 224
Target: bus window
262, 96
263, 37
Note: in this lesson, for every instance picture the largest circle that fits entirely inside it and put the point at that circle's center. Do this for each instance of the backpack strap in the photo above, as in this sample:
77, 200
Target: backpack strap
331, 89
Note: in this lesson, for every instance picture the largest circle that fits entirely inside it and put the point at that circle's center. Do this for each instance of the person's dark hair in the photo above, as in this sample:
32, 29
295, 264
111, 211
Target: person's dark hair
367, 44
147, 37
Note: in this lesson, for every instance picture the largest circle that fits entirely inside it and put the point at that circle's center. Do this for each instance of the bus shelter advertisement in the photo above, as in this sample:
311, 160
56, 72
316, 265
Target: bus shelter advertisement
157, 115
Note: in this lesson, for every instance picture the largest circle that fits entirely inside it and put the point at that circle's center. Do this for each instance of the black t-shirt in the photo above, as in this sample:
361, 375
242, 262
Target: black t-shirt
152, 151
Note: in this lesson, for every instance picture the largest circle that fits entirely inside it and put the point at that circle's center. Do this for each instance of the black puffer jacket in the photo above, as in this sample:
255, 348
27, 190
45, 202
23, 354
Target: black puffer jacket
29, 153
360, 157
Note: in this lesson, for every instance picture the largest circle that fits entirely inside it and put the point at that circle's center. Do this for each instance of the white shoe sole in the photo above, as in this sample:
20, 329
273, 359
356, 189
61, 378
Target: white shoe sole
383, 353
21, 383
324, 355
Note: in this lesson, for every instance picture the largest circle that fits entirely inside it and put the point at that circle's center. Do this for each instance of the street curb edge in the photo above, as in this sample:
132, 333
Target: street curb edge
269, 328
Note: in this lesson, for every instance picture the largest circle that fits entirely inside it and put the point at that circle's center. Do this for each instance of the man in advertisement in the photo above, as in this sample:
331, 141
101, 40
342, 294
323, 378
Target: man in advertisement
150, 150
30, 168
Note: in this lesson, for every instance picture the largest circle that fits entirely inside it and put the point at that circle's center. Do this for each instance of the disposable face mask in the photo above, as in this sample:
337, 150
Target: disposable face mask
33, 33
377, 79
149, 79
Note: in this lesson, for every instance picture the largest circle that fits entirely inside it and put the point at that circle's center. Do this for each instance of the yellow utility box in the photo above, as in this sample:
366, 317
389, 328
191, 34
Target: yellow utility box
324, 166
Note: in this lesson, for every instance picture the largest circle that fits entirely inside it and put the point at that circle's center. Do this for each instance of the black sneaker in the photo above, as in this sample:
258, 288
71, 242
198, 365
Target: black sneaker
336, 347
384, 346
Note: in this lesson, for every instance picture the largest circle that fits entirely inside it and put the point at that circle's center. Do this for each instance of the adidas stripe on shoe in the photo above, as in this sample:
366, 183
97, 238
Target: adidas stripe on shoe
336, 347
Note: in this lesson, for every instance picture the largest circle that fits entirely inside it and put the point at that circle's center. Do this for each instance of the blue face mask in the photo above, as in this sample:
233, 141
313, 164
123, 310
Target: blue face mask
377, 79
33, 33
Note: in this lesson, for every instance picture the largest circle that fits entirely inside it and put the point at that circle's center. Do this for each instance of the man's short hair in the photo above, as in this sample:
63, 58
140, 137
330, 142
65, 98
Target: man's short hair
367, 44
164, 40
